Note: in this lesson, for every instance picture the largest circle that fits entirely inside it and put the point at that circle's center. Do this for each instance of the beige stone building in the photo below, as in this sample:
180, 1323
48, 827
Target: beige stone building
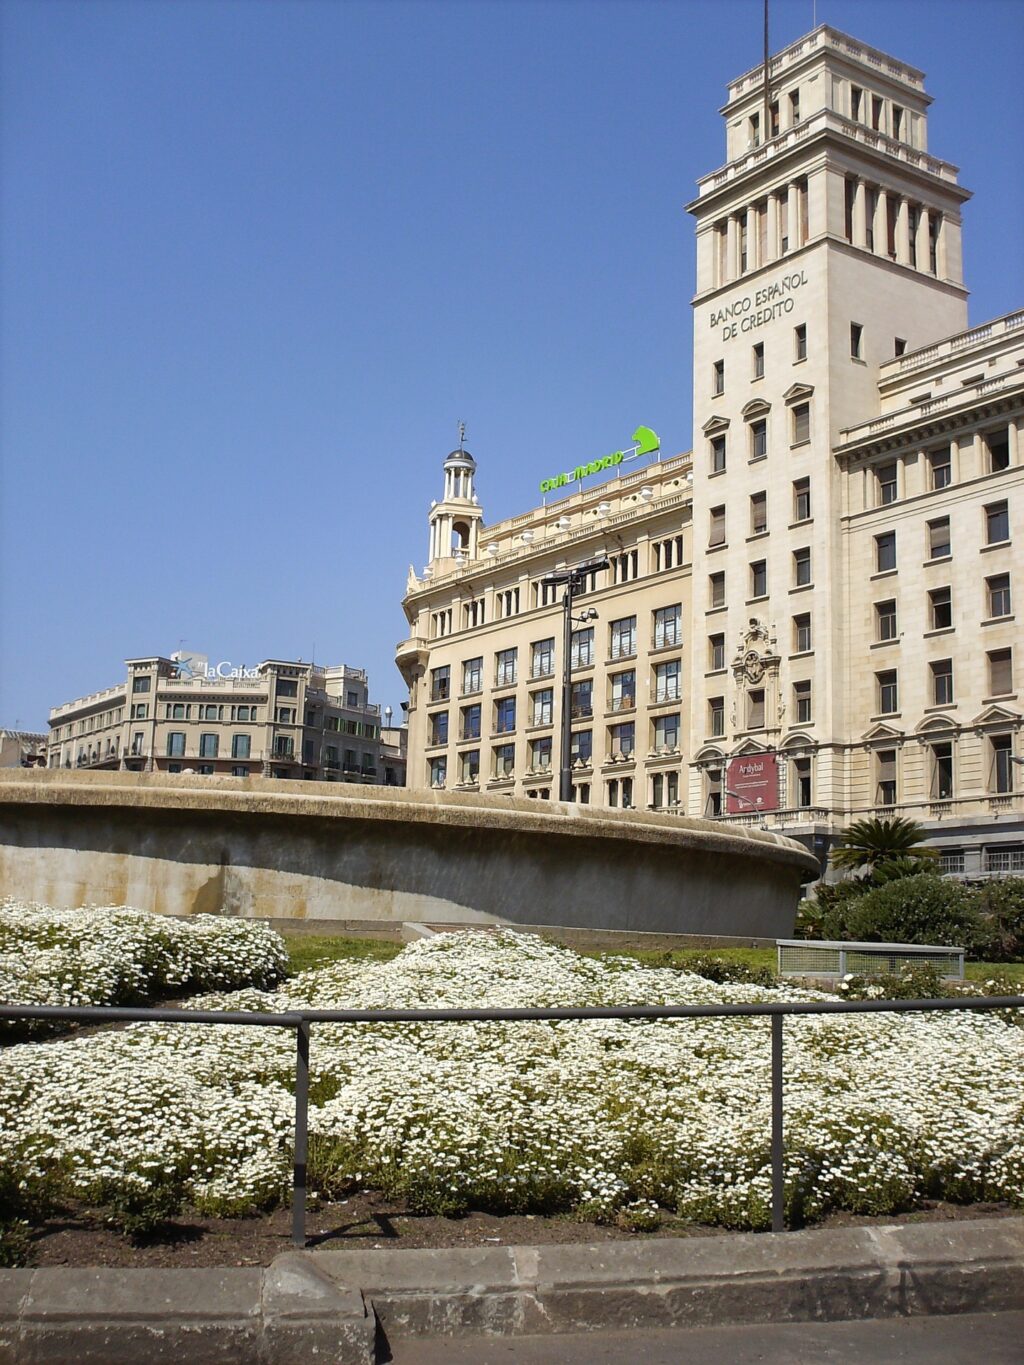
812, 617
280, 718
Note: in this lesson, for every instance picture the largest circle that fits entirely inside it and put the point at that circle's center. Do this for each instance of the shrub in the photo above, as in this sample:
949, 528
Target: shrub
1001, 906
921, 909
719, 969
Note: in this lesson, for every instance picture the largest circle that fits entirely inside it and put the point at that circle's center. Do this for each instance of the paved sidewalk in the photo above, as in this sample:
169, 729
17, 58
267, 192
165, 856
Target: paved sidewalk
971, 1339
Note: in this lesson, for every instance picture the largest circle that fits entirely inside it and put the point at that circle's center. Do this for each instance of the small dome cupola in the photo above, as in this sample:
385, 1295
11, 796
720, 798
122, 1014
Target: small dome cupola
455, 520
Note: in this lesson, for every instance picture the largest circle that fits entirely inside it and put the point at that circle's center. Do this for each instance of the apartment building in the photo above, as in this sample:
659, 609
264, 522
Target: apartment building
809, 618
280, 718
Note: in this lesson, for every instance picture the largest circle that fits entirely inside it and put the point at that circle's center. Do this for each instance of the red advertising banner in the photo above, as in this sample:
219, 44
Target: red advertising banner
752, 784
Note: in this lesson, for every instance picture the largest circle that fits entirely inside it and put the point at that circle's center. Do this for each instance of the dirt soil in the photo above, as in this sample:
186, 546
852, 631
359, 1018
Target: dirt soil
80, 1237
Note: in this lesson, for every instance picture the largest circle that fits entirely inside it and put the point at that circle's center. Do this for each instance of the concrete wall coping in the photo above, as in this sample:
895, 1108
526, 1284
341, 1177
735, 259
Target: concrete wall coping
271, 797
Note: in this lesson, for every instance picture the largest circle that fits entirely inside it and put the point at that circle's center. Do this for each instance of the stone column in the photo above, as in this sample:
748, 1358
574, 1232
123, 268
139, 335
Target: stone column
903, 232
860, 222
793, 210
752, 239
773, 228
732, 247
881, 224
923, 221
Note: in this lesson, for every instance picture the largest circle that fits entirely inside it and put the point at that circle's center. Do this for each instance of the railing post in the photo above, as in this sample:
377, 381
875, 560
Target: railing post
301, 1134
778, 1182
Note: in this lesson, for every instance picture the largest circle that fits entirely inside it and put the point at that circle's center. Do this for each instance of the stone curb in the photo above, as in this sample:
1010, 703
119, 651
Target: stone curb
305, 1307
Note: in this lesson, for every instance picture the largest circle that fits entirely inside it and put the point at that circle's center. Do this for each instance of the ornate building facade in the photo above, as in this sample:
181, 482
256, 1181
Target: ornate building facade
811, 617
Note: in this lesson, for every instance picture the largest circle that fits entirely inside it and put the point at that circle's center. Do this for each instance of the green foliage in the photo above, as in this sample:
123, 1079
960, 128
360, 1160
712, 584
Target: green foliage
915, 981
714, 967
755, 965
866, 843
921, 909
316, 950
1001, 906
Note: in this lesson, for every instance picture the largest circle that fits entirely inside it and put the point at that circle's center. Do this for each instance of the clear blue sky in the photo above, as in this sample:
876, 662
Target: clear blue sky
259, 258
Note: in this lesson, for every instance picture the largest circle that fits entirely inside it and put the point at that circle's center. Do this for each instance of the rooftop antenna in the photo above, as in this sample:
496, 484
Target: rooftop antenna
767, 83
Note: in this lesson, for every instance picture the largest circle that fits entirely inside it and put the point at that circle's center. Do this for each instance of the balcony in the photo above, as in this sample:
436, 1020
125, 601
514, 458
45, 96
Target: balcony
624, 703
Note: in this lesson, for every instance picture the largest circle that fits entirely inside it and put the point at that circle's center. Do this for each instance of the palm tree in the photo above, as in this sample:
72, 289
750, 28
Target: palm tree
885, 847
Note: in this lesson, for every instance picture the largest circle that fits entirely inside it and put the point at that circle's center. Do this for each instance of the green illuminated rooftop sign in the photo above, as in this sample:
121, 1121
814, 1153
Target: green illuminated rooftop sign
646, 442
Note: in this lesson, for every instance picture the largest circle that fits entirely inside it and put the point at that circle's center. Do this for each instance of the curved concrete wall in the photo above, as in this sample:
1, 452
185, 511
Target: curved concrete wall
258, 847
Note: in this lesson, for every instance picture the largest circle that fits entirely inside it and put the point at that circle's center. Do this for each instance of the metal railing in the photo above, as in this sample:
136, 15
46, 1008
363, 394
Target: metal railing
300, 1021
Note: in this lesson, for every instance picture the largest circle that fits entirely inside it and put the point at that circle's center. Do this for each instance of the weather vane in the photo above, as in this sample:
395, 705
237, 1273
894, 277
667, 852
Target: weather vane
462, 435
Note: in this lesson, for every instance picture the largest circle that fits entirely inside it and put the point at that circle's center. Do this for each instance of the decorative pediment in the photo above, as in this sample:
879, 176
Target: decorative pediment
757, 407
798, 741
710, 755
749, 746
935, 725
715, 424
997, 715
798, 393
883, 734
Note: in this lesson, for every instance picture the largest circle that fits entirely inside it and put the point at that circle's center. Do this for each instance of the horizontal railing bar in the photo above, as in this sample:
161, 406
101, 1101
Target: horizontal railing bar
99, 1013
122, 1013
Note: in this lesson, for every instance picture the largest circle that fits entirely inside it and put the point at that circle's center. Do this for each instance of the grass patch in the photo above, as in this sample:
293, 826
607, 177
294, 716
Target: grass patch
316, 950
982, 971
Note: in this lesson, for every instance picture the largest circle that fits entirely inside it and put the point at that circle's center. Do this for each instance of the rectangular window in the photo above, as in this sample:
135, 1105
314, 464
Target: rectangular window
876, 113
241, 746
505, 666
666, 681
540, 754
717, 454
885, 777
208, 746
175, 744
471, 721
1001, 777
542, 705
942, 772
940, 467
623, 637
800, 341
472, 676
856, 340
438, 728
504, 760
997, 448
794, 106
802, 701
939, 544
469, 766
716, 534
801, 423
718, 378
284, 715
716, 653
716, 589
940, 604
1000, 672
716, 717
759, 578
897, 122
581, 746
623, 691
287, 687
997, 523
241, 771
581, 702
755, 709
758, 513
886, 476
802, 782
801, 499
885, 552
885, 620
668, 626
758, 360
712, 793
758, 439
887, 692
998, 595
141, 683
438, 771
139, 711
856, 103
622, 739
504, 715
582, 649
942, 682
625, 785
666, 732
440, 683
802, 633
802, 567
542, 658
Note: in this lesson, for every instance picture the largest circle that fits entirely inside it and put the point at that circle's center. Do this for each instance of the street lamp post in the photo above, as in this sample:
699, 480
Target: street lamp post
571, 580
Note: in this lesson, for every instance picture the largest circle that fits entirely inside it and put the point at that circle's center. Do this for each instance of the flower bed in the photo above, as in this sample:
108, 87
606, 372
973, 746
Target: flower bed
113, 955
599, 1118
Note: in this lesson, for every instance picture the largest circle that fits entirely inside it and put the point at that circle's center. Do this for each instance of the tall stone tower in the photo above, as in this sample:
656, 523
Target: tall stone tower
828, 243
455, 520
